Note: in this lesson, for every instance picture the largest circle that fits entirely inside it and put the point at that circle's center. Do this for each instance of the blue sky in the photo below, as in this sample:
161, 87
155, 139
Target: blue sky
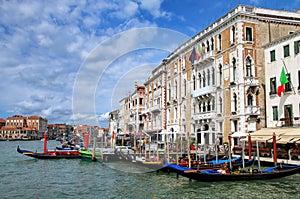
72, 61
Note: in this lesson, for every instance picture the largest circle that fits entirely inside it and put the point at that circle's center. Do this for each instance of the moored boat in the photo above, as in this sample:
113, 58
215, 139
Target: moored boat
212, 175
53, 154
50, 154
86, 154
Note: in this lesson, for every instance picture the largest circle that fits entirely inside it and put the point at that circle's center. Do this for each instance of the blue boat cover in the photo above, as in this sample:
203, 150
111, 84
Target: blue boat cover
177, 167
224, 161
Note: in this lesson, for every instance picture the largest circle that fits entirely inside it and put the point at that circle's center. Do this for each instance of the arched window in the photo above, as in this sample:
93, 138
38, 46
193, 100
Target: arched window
208, 105
220, 104
194, 82
234, 69
219, 42
213, 104
212, 44
220, 74
204, 107
204, 79
232, 35
248, 67
207, 46
200, 79
235, 101
208, 77
249, 100
213, 76
199, 107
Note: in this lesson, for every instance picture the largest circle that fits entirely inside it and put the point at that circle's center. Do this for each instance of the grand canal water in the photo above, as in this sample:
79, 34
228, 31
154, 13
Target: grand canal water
24, 177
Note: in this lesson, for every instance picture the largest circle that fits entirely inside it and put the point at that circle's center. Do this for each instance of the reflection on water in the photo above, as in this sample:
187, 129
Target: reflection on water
24, 177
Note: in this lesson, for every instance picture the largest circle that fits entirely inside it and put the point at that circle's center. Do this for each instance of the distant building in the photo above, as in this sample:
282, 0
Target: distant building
23, 127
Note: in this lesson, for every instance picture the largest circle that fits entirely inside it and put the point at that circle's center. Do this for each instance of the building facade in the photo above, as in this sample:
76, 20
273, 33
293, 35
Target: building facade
215, 82
23, 127
283, 55
214, 85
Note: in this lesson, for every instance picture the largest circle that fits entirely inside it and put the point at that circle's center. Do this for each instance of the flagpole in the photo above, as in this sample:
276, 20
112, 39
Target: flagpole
290, 81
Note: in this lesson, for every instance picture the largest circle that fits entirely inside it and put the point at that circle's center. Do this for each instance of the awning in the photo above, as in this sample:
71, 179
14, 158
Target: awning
239, 134
283, 135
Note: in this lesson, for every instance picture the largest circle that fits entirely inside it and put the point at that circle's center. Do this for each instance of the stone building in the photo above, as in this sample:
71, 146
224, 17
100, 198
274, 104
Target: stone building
154, 114
215, 82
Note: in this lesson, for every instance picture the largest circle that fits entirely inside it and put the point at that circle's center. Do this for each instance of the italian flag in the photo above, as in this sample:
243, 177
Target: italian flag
283, 81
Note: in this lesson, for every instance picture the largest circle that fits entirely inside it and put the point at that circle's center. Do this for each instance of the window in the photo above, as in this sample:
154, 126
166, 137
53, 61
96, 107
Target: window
204, 107
213, 104
286, 51
296, 47
249, 100
288, 86
208, 106
232, 35
235, 101
248, 67
219, 42
207, 46
204, 79
194, 82
234, 69
220, 74
200, 80
235, 125
208, 77
275, 113
199, 107
249, 34
273, 86
212, 44
272, 55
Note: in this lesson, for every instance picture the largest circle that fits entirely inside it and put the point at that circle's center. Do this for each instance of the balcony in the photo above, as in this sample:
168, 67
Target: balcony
252, 110
206, 115
206, 58
204, 91
251, 81
155, 108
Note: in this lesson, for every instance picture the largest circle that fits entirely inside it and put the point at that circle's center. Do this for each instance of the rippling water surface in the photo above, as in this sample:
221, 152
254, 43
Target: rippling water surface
24, 177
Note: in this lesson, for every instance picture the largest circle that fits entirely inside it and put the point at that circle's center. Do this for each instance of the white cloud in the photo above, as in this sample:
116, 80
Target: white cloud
43, 44
154, 7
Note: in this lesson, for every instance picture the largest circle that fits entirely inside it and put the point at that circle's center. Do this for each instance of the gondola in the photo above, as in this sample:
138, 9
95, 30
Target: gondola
54, 154
224, 175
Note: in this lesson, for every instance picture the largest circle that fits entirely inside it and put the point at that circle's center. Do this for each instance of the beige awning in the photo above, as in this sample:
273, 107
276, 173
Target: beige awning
283, 135
284, 139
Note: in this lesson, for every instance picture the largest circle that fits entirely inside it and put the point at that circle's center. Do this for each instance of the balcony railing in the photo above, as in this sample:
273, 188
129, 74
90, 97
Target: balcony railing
155, 108
206, 115
252, 110
203, 91
251, 81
